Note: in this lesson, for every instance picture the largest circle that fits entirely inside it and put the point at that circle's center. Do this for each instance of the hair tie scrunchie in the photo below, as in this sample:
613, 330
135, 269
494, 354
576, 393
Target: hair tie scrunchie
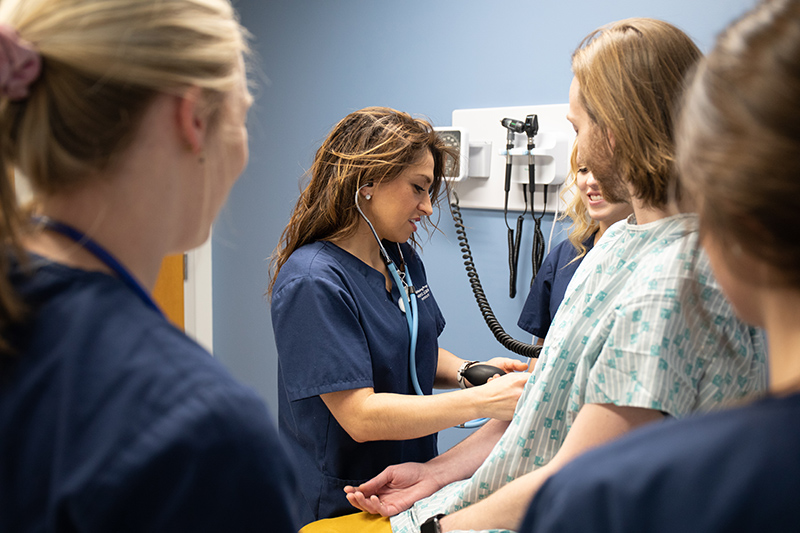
20, 64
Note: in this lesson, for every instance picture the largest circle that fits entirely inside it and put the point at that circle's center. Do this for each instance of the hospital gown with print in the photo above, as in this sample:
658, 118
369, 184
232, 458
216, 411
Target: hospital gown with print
643, 324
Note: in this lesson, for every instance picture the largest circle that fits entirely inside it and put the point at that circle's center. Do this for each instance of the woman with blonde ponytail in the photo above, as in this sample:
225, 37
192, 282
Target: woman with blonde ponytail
127, 120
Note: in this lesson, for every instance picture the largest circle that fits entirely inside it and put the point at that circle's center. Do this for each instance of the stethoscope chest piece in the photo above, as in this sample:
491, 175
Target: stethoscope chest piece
409, 290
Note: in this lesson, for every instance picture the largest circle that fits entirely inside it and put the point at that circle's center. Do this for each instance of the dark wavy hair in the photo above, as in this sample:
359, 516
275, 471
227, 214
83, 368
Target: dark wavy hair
374, 144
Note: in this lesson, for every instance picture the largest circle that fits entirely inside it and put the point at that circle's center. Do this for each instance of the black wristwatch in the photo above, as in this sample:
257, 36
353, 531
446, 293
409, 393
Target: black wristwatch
431, 525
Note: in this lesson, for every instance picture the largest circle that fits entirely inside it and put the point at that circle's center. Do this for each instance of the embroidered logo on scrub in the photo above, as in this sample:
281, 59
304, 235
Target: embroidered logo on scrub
423, 293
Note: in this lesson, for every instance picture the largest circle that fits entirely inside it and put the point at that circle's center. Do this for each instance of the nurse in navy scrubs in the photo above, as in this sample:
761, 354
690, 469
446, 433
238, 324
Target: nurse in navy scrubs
127, 119
347, 404
591, 216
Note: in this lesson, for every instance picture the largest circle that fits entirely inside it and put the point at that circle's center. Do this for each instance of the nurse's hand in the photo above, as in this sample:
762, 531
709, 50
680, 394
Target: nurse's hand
499, 396
508, 364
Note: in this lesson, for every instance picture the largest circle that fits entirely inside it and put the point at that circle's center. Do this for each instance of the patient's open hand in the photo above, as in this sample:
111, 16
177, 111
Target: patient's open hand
394, 490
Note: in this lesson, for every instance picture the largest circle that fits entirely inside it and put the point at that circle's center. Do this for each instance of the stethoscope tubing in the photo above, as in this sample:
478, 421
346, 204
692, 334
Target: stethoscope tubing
410, 308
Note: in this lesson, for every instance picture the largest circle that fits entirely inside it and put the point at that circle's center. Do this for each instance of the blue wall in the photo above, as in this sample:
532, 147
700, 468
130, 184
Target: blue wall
318, 60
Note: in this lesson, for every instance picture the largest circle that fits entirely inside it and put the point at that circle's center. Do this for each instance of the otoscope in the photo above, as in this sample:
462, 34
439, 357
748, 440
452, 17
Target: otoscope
513, 127
531, 128
537, 255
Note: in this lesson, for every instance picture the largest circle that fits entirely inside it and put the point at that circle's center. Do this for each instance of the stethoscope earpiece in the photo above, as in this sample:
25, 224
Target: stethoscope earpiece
367, 196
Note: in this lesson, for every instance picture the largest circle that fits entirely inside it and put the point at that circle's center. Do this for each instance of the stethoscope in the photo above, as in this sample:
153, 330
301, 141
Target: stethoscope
408, 305
103, 255
408, 296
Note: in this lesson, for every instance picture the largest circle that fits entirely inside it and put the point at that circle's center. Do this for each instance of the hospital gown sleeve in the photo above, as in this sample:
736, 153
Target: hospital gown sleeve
641, 364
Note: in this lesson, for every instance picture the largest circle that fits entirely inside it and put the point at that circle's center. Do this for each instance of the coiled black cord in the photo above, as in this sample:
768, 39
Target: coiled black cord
521, 348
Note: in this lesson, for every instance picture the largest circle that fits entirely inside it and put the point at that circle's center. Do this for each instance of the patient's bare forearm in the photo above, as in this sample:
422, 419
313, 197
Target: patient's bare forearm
463, 459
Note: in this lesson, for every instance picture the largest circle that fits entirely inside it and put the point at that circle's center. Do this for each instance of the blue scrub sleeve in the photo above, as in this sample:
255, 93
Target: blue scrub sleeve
535, 317
318, 323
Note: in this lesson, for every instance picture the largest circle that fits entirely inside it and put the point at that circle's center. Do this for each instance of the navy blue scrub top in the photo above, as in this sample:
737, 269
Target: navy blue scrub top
113, 420
337, 328
733, 470
549, 287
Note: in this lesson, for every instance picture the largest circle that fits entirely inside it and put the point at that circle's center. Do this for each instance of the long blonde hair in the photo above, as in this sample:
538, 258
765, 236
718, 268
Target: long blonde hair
583, 226
103, 62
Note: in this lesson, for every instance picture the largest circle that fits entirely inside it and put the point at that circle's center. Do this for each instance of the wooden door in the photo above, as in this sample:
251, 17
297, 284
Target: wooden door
168, 292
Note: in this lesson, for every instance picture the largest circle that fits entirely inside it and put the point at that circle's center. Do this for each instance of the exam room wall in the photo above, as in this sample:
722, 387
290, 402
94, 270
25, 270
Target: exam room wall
317, 60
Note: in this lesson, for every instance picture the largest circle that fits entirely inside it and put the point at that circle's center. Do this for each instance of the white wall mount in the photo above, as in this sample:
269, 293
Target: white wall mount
483, 186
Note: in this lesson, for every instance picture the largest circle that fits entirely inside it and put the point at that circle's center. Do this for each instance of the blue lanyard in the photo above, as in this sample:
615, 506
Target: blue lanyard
102, 254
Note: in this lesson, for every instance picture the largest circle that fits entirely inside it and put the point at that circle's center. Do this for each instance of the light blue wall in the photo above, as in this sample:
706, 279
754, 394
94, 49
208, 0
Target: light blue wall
321, 59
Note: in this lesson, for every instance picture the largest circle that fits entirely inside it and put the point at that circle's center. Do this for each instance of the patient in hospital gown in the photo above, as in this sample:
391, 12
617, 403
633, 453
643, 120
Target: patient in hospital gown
644, 324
